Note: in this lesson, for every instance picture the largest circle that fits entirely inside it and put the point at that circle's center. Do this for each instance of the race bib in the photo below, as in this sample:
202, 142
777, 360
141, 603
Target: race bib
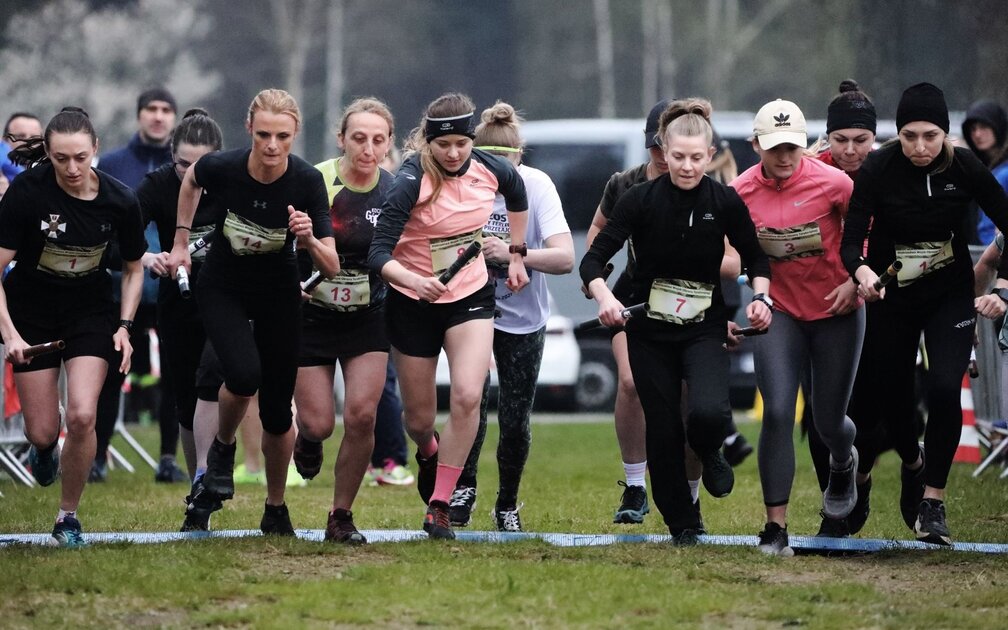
197, 233
790, 243
920, 259
349, 291
247, 238
70, 261
679, 301
445, 251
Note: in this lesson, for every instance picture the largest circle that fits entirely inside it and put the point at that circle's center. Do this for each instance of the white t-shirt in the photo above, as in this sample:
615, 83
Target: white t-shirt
527, 311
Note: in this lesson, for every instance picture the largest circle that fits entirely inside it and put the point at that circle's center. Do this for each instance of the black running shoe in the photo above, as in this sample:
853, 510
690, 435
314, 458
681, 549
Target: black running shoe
832, 527
687, 537
737, 452
507, 519
200, 504
840, 496
461, 505
276, 521
427, 473
341, 529
773, 541
219, 476
307, 457
718, 477
98, 472
437, 523
930, 524
168, 471
45, 465
911, 492
862, 507
68, 534
633, 506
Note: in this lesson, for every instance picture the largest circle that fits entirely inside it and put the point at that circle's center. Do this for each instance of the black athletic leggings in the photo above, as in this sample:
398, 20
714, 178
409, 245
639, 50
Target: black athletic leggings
659, 369
892, 334
262, 357
182, 340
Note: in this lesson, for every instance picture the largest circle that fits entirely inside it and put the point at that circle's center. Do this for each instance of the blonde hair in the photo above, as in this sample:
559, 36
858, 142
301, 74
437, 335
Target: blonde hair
687, 117
499, 126
368, 105
444, 106
275, 101
941, 162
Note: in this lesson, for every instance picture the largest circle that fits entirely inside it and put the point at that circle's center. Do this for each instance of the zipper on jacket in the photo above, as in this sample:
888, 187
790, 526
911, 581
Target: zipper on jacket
929, 184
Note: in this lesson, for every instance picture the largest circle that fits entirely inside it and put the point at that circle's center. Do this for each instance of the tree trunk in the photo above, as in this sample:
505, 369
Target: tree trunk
604, 49
666, 56
334, 74
649, 53
294, 22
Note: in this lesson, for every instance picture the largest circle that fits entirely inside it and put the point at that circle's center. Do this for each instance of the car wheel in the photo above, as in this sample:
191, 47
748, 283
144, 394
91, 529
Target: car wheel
597, 380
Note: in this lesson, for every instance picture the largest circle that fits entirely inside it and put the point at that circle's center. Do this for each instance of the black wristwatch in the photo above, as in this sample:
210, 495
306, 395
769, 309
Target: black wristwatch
127, 324
518, 249
763, 297
1001, 293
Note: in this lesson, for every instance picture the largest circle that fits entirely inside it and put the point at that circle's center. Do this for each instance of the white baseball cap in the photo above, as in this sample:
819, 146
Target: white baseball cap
778, 122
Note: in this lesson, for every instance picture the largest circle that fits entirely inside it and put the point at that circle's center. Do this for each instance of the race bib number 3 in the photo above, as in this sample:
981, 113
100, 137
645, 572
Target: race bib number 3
70, 261
920, 259
350, 290
790, 243
247, 238
445, 251
679, 301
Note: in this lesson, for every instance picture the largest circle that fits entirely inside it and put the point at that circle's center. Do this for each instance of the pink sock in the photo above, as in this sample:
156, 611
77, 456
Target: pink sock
428, 449
447, 477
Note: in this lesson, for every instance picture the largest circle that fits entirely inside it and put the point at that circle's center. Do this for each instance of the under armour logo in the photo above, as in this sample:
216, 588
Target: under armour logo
782, 120
261, 205
54, 226
105, 227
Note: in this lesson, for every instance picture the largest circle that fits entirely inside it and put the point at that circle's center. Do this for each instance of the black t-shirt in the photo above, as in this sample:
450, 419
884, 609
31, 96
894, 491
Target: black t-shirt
618, 184
158, 194
60, 240
679, 236
353, 215
253, 249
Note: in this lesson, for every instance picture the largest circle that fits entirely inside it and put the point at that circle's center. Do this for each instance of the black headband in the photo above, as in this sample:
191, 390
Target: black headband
850, 113
460, 125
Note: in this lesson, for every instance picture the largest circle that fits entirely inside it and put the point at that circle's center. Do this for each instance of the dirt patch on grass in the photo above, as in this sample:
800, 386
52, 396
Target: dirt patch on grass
297, 562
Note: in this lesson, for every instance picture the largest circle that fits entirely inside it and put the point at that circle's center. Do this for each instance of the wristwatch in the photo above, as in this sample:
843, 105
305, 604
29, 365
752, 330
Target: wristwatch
763, 297
518, 249
127, 324
1001, 293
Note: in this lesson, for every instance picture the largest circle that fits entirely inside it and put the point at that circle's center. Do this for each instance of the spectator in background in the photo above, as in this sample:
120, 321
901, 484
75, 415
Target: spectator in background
146, 151
985, 130
20, 126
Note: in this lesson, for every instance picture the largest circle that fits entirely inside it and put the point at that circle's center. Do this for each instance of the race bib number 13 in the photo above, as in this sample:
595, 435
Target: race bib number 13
350, 290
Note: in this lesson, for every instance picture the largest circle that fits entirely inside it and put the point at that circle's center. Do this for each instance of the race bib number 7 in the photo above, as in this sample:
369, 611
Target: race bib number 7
920, 259
790, 243
247, 238
70, 261
445, 251
679, 301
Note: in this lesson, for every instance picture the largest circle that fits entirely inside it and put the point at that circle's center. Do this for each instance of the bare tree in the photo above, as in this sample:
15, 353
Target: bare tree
604, 50
295, 22
650, 44
334, 73
666, 57
726, 40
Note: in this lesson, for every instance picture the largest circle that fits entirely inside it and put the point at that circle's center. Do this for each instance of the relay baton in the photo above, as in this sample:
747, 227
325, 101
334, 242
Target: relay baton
888, 275
194, 247
182, 278
972, 368
606, 271
43, 348
313, 281
749, 332
470, 252
627, 313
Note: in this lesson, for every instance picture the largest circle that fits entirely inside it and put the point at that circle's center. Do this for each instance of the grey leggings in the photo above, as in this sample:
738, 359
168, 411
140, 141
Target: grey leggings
831, 347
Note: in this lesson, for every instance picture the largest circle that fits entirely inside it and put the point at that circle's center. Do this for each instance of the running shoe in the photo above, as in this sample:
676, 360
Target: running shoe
862, 507
427, 473
461, 505
68, 534
393, 474
242, 476
737, 452
98, 472
841, 492
930, 523
45, 467
341, 529
437, 523
832, 527
307, 457
507, 520
294, 478
633, 505
200, 504
773, 541
911, 491
169, 472
718, 477
219, 476
370, 476
687, 537
276, 521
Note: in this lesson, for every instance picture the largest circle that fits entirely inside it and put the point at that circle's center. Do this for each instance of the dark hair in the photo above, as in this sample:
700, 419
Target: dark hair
70, 120
197, 128
17, 115
446, 105
850, 109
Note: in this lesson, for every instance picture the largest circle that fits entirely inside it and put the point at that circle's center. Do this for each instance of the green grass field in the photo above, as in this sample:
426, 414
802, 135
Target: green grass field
570, 486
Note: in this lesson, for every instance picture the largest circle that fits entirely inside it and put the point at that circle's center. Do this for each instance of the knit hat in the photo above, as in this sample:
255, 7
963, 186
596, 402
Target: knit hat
155, 94
850, 109
780, 122
923, 102
651, 128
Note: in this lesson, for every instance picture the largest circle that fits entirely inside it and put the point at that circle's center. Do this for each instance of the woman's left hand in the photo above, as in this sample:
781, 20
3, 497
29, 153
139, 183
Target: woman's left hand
759, 315
844, 299
517, 275
121, 341
299, 223
495, 250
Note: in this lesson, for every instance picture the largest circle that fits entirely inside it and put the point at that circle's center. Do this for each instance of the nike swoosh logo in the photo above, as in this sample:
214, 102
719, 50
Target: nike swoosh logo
476, 308
798, 203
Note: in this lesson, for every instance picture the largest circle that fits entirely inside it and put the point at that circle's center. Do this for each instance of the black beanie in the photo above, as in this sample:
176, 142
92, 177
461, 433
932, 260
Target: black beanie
850, 109
155, 94
924, 102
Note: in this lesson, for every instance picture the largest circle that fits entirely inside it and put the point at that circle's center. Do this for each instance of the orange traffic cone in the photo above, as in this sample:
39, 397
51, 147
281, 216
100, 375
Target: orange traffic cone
969, 441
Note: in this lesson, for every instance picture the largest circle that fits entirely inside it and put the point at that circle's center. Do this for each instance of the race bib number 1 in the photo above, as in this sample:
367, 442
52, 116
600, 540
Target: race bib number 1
920, 259
679, 301
790, 243
247, 238
350, 290
445, 251
70, 261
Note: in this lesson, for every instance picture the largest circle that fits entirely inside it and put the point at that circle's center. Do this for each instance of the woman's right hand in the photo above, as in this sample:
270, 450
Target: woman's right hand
179, 257
611, 312
428, 289
866, 278
14, 351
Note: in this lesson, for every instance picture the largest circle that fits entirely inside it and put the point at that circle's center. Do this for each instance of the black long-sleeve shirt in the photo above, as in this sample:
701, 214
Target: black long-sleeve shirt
678, 234
908, 204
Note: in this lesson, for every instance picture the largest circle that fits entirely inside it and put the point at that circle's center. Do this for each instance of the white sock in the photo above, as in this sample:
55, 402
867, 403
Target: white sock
694, 489
635, 474
63, 514
728, 441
